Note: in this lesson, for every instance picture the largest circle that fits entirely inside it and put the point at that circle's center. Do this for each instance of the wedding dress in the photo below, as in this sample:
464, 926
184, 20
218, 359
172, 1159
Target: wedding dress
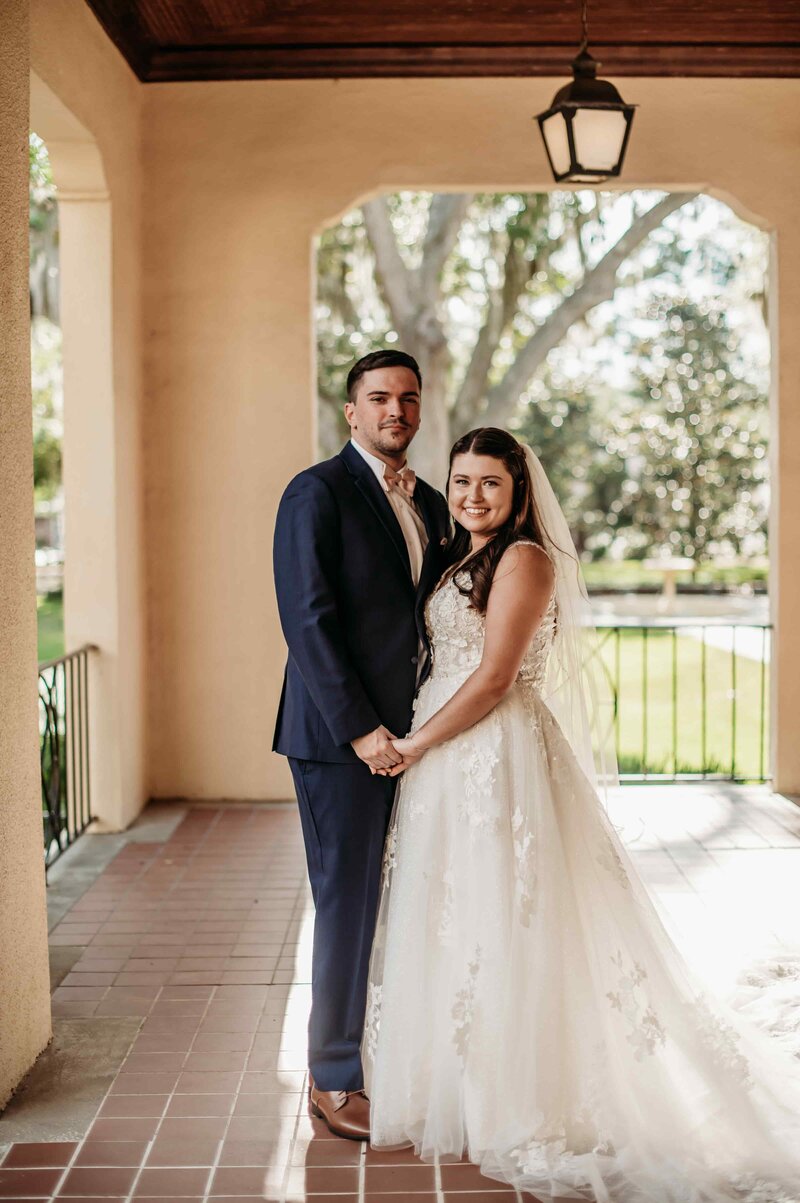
526, 1006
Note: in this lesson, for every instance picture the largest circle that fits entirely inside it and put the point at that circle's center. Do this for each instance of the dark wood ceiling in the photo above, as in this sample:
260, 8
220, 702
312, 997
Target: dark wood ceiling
313, 39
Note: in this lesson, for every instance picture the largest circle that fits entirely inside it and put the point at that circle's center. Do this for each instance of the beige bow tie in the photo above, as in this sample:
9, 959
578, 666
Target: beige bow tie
405, 479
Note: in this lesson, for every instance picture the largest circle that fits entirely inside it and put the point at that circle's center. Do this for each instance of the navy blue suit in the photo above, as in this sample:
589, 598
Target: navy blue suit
352, 620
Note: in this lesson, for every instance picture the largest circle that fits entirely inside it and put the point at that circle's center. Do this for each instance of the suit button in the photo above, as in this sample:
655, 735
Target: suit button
415, 659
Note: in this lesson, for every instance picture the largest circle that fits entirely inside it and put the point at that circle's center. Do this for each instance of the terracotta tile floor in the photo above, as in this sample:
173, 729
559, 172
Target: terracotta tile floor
206, 937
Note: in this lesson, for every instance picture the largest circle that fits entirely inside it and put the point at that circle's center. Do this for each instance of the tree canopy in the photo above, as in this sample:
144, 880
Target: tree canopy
45, 332
622, 334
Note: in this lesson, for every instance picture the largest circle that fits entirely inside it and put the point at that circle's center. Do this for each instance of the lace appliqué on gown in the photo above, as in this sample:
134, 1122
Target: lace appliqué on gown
475, 769
525, 1001
524, 868
389, 855
372, 1020
446, 908
645, 1030
456, 634
463, 1006
609, 858
723, 1043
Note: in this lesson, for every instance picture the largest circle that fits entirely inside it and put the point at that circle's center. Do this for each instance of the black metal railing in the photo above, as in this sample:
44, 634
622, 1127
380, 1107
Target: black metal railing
690, 699
64, 750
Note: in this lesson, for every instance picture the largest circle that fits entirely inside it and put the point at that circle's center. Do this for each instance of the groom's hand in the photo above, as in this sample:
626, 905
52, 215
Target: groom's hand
376, 749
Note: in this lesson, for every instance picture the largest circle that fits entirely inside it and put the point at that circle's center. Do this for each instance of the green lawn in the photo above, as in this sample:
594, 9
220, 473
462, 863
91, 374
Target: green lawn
651, 728
50, 609
631, 574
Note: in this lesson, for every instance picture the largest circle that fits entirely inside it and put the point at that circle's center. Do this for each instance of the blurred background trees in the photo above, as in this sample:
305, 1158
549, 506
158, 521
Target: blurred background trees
47, 397
622, 334
45, 331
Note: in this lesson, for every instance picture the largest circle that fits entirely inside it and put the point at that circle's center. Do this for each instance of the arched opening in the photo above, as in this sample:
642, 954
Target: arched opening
90, 508
624, 335
47, 394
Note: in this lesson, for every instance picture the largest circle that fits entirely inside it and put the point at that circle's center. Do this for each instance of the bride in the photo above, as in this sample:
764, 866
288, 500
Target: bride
526, 1006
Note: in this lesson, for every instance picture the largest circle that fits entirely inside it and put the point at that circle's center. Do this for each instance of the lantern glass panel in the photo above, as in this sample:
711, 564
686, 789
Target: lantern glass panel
554, 130
599, 135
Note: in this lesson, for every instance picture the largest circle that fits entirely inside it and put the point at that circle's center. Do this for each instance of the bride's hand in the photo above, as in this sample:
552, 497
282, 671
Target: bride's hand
409, 750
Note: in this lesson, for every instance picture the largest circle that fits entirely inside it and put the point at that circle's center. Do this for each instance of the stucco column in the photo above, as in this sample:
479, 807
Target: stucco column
91, 547
24, 976
98, 549
785, 508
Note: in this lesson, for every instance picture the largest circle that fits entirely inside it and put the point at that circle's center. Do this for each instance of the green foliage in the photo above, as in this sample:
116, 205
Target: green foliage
51, 626
650, 414
677, 462
47, 407
568, 430
43, 232
46, 462
351, 320
693, 435
40, 173
45, 333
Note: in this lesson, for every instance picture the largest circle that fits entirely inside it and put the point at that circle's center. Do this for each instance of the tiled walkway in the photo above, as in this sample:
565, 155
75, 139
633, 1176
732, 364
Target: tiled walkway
206, 938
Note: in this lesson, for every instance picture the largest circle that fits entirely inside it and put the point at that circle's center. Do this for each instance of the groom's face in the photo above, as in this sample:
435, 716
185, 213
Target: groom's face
385, 414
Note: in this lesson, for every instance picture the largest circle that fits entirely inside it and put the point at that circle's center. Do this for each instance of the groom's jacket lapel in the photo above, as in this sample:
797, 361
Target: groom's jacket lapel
368, 485
351, 624
434, 514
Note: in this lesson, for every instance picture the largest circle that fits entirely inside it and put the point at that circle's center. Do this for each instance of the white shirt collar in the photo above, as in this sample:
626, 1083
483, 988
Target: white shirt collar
375, 462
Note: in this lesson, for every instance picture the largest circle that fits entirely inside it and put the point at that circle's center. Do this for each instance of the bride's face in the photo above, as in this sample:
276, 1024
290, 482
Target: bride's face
481, 493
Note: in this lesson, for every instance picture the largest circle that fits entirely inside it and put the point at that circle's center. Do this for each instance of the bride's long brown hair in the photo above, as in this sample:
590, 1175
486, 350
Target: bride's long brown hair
523, 522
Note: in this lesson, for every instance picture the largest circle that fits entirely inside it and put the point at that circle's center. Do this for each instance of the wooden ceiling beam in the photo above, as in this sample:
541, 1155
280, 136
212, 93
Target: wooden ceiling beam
167, 40
354, 62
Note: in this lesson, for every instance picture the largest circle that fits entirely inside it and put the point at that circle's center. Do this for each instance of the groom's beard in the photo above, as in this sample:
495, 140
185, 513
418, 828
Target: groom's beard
393, 443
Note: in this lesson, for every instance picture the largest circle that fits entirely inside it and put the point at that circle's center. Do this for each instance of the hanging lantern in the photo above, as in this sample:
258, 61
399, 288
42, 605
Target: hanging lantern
586, 128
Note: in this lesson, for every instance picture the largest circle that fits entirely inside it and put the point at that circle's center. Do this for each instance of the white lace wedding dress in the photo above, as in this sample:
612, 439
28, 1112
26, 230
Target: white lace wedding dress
526, 1005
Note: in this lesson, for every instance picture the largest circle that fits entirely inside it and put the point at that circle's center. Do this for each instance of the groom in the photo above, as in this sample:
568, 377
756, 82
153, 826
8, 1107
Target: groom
359, 545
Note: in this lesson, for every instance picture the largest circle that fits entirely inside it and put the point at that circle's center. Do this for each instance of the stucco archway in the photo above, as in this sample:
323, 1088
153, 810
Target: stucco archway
91, 581
248, 173
324, 424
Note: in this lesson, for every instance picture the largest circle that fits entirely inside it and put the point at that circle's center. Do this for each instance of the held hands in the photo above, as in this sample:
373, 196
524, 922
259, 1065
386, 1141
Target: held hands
409, 750
376, 749
385, 754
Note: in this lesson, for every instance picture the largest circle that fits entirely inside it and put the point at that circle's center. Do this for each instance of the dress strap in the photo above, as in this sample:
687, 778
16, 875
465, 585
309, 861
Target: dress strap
531, 543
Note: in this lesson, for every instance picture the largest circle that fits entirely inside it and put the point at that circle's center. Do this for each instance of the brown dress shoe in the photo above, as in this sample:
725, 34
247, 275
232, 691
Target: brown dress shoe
346, 1112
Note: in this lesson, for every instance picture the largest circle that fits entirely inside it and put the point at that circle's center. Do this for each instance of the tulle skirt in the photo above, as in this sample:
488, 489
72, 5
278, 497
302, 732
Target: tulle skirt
526, 1006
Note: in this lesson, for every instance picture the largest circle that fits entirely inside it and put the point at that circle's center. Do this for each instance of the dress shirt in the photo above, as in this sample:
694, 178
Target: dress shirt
406, 512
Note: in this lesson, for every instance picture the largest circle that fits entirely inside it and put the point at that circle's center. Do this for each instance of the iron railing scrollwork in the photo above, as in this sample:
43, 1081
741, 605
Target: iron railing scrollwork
64, 750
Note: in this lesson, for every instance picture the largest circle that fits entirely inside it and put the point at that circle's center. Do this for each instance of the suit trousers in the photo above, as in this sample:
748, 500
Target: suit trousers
344, 813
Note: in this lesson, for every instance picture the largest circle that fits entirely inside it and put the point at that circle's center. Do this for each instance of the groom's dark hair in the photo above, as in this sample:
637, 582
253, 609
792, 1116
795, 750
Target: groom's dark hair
380, 359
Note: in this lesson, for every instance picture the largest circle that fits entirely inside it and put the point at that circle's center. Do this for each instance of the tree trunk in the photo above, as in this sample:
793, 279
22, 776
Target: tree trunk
329, 433
414, 298
430, 450
599, 284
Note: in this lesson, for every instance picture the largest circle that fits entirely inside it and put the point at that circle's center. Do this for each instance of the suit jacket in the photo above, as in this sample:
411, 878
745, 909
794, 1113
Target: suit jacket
349, 610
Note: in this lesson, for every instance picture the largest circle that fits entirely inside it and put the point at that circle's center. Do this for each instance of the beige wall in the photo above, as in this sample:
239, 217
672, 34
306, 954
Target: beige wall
24, 976
232, 183
86, 104
189, 217
238, 177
